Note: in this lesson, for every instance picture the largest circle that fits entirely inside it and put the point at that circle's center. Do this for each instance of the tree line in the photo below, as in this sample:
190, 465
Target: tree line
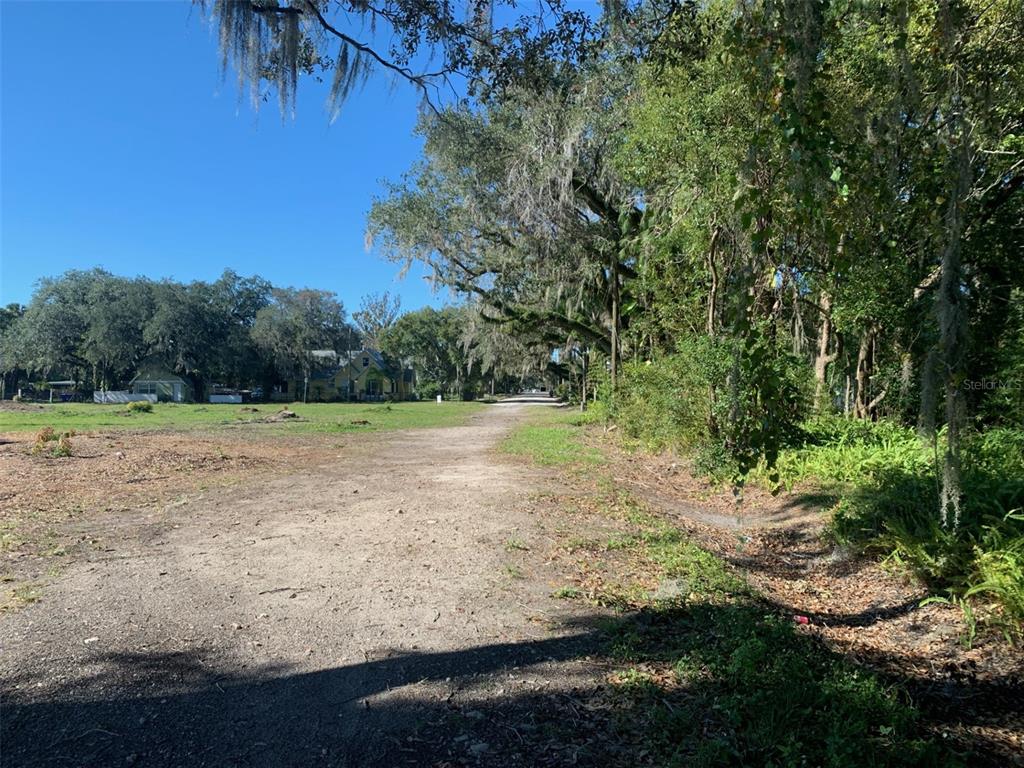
97, 328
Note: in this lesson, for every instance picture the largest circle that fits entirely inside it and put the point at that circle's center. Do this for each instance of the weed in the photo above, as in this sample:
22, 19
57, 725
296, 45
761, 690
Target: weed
63, 447
25, 594
140, 406
620, 542
43, 439
567, 593
514, 571
9, 538
514, 544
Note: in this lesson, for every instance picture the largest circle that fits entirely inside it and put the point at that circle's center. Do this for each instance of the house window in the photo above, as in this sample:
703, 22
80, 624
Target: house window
145, 388
366, 362
373, 387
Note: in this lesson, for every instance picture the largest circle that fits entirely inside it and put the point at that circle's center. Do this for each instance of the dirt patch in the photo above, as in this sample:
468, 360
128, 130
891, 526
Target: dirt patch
56, 510
12, 405
355, 605
283, 415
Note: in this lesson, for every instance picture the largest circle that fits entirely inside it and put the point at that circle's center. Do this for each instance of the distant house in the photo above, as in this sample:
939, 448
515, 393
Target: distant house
156, 379
364, 375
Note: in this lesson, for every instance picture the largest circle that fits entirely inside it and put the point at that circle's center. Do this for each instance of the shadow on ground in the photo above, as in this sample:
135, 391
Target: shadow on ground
181, 709
751, 692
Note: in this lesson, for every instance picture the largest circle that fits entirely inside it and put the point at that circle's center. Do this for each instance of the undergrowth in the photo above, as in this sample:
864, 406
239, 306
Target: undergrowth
719, 677
885, 478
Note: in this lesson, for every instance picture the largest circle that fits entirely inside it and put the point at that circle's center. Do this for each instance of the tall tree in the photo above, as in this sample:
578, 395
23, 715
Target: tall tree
376, 314
295, 324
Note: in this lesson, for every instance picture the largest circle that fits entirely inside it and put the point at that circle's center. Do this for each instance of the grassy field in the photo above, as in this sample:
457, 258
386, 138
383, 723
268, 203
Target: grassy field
313, 417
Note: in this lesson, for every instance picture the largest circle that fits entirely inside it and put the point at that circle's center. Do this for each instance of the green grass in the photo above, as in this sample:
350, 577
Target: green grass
552, 439
314, 417
744, 688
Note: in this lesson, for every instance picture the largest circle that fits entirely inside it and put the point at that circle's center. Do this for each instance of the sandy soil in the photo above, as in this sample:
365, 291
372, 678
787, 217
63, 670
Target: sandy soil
365, 609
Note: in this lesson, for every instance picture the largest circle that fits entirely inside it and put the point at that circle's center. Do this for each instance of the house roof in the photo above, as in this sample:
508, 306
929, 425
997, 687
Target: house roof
373, 354
354, 358
156, 371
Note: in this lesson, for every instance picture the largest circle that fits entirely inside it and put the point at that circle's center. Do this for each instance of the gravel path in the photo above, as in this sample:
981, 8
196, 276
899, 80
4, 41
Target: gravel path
331, 617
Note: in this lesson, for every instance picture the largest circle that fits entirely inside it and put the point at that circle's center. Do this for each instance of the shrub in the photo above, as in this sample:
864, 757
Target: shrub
730, 403
666, 403
140, 406
63, 447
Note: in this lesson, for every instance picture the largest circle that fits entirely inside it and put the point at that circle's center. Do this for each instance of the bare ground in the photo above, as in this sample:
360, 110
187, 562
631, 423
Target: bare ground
359, 604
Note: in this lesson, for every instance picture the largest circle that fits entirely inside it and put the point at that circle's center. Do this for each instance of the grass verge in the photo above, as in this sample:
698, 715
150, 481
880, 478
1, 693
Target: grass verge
551, 439
720, 677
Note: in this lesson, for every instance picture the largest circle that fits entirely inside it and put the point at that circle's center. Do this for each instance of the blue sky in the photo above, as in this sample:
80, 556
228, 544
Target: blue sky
122, 147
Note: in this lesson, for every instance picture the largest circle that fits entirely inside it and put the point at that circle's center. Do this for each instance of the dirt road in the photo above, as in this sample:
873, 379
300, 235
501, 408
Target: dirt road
381, 608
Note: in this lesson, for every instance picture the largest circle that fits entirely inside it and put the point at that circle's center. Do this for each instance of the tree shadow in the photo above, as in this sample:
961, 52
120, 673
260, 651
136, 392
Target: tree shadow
190, 708
746, 689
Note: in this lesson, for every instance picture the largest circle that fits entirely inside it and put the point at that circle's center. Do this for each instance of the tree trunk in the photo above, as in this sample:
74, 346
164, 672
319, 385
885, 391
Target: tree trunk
713, 292
824, 358
865, 367
615, 322
583, 384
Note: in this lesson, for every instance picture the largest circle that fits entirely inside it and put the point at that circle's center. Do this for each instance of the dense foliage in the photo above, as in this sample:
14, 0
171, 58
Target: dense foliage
96, 328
